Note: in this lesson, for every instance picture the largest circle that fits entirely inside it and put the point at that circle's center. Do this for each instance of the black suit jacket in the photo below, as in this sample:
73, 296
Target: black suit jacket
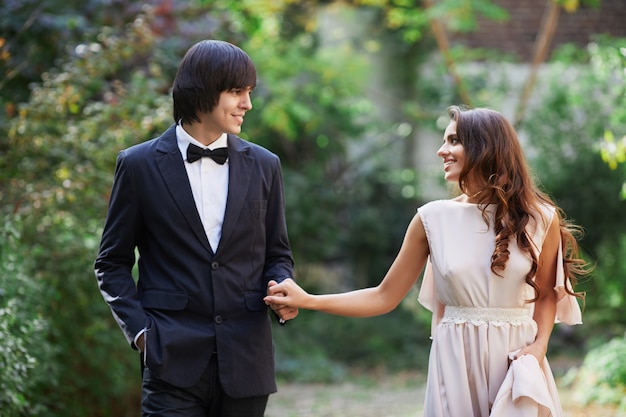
194, 301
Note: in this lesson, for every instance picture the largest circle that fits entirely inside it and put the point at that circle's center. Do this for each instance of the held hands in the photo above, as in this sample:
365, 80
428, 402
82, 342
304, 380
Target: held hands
279, 302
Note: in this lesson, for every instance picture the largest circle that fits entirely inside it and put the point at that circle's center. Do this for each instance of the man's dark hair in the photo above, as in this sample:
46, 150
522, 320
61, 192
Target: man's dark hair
209, 68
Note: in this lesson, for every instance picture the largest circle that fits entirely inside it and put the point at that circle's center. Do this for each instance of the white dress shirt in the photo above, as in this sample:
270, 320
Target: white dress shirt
209, 185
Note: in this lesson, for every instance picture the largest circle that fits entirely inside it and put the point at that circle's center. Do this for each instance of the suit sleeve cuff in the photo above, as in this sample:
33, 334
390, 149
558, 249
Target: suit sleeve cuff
142, 331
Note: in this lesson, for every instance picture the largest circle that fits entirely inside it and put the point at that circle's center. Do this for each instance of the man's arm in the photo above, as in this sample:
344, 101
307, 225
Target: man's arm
279, 260
116, 258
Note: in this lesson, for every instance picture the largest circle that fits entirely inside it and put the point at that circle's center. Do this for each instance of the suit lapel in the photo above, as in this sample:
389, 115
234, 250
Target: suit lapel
172, 168
240, 171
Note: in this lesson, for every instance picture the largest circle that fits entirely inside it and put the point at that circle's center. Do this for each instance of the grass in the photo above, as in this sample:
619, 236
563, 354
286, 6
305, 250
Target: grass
376, 395
380, 394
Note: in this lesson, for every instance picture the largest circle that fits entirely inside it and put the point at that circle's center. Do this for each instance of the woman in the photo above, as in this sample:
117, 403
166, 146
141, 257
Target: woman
499, 264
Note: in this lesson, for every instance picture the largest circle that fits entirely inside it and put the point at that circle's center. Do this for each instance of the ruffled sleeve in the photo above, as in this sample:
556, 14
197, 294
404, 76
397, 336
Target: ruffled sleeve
428, 298
567, 308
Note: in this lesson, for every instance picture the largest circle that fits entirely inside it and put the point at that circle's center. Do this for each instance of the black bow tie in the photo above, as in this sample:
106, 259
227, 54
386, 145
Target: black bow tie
194, 153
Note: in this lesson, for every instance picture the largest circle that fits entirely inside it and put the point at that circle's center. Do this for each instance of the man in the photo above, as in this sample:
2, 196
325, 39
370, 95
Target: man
211, 236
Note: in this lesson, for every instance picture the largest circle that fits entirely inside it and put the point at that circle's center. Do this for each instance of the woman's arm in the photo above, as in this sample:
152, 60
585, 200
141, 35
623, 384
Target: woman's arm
545, 306
366, 302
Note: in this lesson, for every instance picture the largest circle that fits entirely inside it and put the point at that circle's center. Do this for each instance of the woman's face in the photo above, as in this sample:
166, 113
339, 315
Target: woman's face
452, 153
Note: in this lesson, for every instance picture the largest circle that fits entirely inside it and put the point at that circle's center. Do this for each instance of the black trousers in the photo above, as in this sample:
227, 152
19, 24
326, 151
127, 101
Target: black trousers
205, 399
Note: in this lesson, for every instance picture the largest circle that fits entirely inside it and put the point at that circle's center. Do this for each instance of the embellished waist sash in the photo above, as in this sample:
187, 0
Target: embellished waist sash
486, 315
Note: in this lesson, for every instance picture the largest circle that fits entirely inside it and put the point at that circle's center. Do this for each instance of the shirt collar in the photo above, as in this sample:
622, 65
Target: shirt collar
184, 139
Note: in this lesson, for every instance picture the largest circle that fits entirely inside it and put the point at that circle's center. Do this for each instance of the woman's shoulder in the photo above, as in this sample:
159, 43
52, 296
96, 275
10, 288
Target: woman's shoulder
447, 204
432, 205
546, 209
542, 217
439, 207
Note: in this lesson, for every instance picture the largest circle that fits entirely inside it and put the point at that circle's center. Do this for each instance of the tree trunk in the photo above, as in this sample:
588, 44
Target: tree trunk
542, 46
444, 47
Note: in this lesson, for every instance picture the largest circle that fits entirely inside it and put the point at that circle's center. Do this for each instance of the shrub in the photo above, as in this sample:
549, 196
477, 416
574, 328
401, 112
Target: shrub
24, 350
602, 376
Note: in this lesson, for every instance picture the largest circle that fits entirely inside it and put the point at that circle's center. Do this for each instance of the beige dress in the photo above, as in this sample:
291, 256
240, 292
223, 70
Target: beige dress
480, 319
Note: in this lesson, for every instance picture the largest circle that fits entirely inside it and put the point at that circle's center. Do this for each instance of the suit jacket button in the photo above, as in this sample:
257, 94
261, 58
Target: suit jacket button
215, 265
218, 319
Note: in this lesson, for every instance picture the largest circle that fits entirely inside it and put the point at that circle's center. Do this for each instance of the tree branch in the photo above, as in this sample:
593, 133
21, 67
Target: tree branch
542, 46
444, 48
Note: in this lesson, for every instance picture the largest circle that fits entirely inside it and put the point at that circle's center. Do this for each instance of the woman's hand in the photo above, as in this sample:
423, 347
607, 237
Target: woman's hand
286, 295
536, 349
276, 299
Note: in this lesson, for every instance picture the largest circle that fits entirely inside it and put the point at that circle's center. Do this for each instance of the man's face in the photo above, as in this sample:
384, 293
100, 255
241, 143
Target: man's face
227, 116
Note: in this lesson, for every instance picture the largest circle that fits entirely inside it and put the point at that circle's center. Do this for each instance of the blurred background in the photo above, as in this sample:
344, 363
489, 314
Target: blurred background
352, 95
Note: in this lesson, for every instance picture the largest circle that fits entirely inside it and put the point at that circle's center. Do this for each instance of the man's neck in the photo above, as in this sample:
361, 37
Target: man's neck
199, 132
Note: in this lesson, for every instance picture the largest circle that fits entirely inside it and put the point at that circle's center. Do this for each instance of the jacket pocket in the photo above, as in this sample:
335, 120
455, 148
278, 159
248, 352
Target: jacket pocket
147, 330
164, 300
254, 300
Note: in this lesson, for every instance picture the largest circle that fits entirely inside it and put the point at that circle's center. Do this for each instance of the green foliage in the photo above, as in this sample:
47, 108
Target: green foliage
320, 348
461, 15
34, 34
585, 98
602, 377
58, 171
307, 107
583, 101
577, 159
25, 354
337, 218
605, 59
412, 21
607, 291
573, 5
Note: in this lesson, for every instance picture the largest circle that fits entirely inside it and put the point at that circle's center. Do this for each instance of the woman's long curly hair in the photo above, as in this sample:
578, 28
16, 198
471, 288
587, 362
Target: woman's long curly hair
496, 173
